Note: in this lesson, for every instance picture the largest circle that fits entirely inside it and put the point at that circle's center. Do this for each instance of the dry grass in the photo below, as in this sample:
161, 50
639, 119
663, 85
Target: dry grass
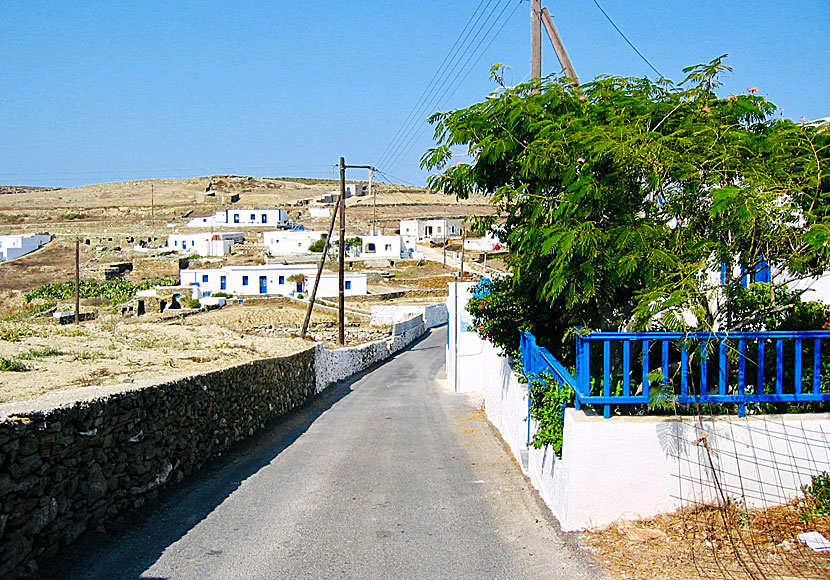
713, 543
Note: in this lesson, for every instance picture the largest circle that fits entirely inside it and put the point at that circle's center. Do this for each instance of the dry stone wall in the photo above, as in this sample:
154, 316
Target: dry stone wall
69, 468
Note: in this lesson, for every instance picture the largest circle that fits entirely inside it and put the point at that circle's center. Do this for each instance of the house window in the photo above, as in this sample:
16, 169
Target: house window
348, 285
253, 217
282, 279
388, 247
244, 280
370, 248
439, 229
236, 218
204, 277
265, 218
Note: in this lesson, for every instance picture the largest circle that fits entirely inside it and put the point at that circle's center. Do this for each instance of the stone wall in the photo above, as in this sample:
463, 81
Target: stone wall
77, 460
64, 469
434, 314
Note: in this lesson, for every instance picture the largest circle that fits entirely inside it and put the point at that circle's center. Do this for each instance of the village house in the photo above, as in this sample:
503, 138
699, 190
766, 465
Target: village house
242, 217
14, 246
204, 243
429, 230
291, 242
282, 279
379, 246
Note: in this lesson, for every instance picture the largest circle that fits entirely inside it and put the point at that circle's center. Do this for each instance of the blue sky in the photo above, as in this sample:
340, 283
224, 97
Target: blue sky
119, 90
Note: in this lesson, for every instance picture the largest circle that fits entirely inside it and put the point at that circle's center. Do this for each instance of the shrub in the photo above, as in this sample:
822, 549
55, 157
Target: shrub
12, 365
221, 295
548, 400
193, 303
816, 501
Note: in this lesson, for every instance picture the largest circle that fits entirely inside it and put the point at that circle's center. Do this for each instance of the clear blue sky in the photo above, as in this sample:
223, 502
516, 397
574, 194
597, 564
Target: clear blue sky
97, 91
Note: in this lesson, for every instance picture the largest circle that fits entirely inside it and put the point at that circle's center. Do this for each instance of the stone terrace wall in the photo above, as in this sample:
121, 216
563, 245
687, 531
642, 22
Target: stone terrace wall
69, 468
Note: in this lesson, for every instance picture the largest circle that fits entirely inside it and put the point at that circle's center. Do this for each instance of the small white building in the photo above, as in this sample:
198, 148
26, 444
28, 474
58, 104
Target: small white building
241, 217
383, 247
14, 246
282, 279
293, 242
204, 243
488, 243
426, 230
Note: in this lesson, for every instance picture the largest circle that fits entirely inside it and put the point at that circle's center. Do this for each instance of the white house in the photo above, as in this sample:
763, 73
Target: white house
285, 243
284, 279
205, 243
426, 230
245, 217
488, 243
383, 247
12, 247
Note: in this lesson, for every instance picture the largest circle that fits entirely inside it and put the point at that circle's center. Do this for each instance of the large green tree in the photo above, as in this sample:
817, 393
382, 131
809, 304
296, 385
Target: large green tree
622, 199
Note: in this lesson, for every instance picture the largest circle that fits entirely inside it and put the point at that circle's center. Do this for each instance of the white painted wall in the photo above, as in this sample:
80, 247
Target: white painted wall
245, 280
433, 314
237, 217
379, 246
285, 243
204, 243
426, 229
14, 246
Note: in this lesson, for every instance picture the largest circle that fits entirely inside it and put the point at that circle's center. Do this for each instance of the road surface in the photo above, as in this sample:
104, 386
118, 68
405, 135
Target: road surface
386, 476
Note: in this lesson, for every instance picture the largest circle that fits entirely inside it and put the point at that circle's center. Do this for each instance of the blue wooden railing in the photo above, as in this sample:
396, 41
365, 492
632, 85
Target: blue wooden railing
628, 368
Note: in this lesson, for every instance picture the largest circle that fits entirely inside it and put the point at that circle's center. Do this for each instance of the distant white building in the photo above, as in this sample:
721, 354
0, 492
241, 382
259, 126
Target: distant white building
488, 243
283, 279
383, 247
205, 243
241, 217
426, 230
14, 246
287, 243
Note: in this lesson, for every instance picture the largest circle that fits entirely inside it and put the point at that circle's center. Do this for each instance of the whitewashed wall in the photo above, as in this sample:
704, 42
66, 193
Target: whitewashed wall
434, 314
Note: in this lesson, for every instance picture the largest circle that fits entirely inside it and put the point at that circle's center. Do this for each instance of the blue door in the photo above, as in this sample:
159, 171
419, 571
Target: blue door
263, 284
223, 284
299, 286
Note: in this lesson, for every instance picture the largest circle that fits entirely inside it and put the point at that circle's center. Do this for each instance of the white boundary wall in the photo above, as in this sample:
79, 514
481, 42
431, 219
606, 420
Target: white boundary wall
434, 314
636, 467
335, 365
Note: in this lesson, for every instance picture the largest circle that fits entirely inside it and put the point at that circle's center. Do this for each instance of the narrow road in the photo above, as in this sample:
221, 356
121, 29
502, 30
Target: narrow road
386, 476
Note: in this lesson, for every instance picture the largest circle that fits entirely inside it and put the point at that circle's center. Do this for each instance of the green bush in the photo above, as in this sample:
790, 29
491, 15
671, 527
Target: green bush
12, 365
816, 500
193, 303
117, 291
221, 295
548, 400
317, 246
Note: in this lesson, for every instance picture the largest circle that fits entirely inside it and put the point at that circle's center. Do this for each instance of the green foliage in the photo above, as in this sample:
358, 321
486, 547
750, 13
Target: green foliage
619, 197
317, 246
117, 291
548, 400
12, 365
12, 332
193, 303
816, 500
74, 216
30, 312
762, 306
221, 295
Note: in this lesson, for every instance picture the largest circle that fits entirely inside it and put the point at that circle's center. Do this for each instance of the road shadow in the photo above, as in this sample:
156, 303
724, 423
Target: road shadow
134, 542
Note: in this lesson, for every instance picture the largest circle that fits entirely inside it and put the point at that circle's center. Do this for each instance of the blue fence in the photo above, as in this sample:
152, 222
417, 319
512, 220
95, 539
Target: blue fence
631, 368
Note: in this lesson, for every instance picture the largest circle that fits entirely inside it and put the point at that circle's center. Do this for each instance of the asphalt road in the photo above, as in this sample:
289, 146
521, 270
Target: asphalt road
386, 476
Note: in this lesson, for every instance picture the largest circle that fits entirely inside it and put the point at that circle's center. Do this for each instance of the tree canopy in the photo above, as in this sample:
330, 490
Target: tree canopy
623, 200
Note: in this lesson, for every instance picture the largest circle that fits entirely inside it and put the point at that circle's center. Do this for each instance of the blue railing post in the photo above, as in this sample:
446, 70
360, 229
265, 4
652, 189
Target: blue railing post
742, 376
606, 376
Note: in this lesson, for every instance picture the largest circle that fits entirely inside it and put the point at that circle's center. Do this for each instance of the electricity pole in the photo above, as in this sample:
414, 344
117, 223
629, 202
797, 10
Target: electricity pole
535, 41
374, 205
341, 281
559, 46
77, 280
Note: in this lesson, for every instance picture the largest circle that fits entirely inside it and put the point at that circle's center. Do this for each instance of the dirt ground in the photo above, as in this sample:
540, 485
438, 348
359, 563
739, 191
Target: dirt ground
710, 543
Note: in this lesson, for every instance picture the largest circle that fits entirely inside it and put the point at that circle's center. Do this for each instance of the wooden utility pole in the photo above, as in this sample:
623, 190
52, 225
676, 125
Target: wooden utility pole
559, 46
535, 41
341, 281
463, 239
77, 280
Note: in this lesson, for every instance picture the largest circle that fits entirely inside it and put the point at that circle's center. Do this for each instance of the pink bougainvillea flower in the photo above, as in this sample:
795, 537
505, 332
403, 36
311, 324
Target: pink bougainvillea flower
580, 160
730, 96
457, 164
752, 90
707, 109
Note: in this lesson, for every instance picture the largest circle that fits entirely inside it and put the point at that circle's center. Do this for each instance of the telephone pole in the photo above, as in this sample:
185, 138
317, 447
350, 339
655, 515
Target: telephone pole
535, 41
341, 280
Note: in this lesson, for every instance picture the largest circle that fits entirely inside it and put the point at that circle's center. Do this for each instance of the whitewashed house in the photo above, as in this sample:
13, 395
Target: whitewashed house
283, 279
427, 230
241, 217
292, 242
488, 243
204, 243
14, 246
378, 246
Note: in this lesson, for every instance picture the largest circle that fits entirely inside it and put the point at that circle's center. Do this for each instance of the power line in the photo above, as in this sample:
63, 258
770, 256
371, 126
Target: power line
452, 87
450, 73
625, 38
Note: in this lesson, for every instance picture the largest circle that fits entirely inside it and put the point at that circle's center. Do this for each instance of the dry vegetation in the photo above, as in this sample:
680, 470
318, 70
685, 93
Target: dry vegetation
711, 543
